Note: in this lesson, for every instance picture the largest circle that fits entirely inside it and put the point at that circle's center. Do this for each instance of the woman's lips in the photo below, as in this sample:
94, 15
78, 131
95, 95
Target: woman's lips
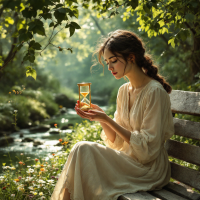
114, 73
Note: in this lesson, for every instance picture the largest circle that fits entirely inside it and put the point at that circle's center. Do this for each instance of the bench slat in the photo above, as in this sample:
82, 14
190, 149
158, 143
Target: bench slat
185, 102
138, 195
164, 194
187, 128
185, 175
180, 190
183, 151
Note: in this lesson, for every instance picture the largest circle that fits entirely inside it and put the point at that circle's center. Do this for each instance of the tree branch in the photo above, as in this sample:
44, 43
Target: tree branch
11, 55
97, 24
193, 31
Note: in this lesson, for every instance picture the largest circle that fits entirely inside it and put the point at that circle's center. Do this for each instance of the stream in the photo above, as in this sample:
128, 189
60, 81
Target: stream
19, 151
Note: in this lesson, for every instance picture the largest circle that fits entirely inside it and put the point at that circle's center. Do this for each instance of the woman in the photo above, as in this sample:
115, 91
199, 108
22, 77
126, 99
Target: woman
134, 158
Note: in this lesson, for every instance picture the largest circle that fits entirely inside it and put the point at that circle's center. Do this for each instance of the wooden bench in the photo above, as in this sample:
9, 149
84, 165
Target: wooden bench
185, 103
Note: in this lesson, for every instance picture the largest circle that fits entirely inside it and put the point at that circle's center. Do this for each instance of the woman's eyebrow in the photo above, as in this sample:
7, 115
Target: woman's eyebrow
110, 57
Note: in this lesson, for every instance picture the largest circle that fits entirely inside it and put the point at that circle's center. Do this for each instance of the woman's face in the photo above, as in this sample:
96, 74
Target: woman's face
115, 64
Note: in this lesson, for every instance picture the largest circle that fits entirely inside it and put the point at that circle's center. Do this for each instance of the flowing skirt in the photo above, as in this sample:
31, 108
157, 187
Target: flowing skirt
97, 172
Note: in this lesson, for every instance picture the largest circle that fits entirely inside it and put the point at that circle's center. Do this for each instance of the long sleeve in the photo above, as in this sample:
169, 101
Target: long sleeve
118, 143
157, 125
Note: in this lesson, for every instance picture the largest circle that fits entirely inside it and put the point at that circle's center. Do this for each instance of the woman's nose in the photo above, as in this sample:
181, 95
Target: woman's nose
110, 67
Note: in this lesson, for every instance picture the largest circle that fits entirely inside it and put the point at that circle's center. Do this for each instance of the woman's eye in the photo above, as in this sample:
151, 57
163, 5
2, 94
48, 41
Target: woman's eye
114, 61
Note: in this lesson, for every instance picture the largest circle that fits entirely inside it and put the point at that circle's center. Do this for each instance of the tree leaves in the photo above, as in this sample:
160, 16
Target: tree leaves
31, 72
37, 26
72, 26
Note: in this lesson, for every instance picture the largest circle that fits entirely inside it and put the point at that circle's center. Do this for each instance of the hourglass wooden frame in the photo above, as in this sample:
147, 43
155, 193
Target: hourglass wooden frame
79, 89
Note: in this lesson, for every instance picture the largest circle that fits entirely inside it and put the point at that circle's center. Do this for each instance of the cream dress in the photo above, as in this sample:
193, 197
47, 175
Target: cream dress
97, 172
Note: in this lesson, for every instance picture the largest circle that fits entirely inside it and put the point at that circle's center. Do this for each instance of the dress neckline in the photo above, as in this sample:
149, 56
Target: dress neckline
128, 99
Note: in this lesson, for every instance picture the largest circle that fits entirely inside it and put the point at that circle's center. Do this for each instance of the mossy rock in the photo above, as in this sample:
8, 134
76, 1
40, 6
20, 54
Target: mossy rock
62, 99
39, 129
4, 141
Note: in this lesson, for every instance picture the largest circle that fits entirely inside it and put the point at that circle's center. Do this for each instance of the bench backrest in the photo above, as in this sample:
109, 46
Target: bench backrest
186, 103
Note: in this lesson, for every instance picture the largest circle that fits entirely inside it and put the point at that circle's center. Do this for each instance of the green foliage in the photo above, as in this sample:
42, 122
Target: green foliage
31, 106
31, 72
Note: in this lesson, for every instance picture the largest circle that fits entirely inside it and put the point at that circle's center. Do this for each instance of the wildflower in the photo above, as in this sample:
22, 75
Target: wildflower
15, 111
21, 154
9, 93
35, 193
20, 187
36, 166
28, 157
1, 178
43, 197
13, 168
28, 179
28, 166
55, 125
19, 177
3, 188
20, 162
60, 140
30, 171
6, 167
16, 180
53, 154
8, 184
12, 195
41, 181
53, 177
41, 193
42, 169
50, 181
31, 188
36, 159
41, 165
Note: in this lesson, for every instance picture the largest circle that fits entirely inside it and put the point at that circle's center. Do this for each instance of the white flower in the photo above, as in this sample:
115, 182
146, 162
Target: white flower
28, 179
36, 166
31, 188
15, 111
43, 197
13, 168
2, 178
21, 154
41, 193
41, 181
28, 157
28, 166
30, 170
6, 167
12, 195
20, 187
50, 181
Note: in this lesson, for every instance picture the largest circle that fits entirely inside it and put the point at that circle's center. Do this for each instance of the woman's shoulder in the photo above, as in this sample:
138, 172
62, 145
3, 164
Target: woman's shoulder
156, 88
123, 89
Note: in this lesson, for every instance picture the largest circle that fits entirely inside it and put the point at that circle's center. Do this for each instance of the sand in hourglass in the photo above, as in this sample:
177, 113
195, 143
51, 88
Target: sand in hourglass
85, 94
86, 106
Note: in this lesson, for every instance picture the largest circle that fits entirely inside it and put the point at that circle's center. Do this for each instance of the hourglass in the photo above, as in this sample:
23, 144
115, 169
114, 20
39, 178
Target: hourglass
84, 94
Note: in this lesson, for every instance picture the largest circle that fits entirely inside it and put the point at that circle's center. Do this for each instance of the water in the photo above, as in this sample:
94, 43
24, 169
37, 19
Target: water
19, 151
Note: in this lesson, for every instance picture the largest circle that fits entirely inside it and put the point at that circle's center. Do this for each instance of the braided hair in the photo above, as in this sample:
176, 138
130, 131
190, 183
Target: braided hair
125, 43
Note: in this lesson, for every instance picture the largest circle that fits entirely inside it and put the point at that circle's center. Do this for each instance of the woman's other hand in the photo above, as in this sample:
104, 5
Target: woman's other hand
95, 114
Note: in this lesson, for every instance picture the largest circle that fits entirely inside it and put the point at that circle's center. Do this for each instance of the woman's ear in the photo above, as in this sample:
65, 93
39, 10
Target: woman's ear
132, 57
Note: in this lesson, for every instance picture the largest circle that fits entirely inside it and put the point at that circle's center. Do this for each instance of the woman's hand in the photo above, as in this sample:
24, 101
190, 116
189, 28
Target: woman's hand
93, 115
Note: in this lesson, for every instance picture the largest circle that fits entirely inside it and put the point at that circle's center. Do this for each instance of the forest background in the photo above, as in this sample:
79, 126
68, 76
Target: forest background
46, 48
52, 41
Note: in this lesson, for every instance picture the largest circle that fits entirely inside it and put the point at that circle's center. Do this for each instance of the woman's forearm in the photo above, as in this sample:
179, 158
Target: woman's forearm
110, 133
117, 129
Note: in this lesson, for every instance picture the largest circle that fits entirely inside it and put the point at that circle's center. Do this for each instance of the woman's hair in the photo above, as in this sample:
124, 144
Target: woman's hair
125, 43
